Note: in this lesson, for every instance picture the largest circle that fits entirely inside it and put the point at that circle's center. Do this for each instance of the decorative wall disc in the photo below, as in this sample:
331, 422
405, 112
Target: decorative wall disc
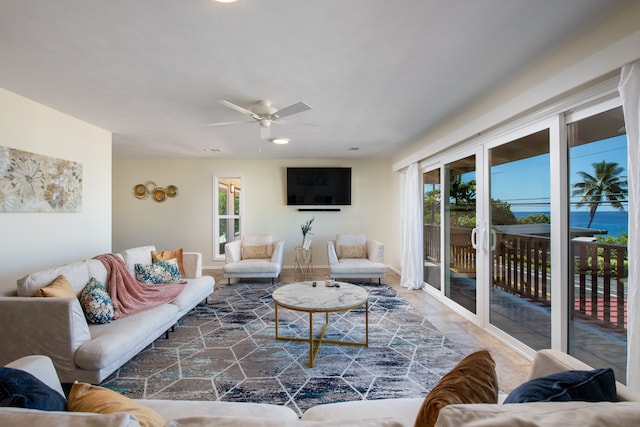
140, 191
159, 195
172, 191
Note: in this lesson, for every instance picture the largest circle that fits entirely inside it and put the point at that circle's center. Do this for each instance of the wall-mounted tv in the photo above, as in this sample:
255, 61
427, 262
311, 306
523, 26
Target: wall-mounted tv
318, 186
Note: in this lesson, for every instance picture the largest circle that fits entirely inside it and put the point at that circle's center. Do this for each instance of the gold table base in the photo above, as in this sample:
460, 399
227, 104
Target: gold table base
314, 343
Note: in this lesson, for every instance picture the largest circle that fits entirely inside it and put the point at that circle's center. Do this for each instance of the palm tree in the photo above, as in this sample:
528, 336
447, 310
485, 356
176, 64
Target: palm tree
605, 185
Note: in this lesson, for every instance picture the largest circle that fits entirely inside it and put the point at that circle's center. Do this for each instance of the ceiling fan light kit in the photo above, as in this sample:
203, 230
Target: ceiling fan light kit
280, 141
264, 114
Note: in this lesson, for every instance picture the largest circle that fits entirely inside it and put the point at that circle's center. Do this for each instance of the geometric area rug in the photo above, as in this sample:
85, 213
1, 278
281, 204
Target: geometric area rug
226, 350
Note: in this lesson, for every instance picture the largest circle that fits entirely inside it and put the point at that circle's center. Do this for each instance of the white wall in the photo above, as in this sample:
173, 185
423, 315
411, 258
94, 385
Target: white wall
31, 241
186, 220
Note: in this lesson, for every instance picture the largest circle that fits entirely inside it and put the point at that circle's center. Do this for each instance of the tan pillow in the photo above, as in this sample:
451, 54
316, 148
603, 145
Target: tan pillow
255, 252
359, 251
60, 287
158, 256
85, 397
473, 380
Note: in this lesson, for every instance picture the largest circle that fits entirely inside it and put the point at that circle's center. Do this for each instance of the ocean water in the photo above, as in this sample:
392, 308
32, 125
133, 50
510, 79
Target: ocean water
615, 222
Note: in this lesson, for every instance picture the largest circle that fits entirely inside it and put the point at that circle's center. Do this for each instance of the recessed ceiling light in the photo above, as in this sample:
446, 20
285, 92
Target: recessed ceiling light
353, 149
225, 1
211, 150
280, 141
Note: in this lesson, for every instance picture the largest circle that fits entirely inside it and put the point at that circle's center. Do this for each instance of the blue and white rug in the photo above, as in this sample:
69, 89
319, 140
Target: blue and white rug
226, 350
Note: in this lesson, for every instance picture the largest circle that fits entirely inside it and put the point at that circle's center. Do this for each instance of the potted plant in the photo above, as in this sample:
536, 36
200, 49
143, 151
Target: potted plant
306, 228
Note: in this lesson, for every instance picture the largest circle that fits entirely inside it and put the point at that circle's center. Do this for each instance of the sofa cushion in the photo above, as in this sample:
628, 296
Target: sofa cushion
96, 303
171, 409
541, 414
60, 287
158, 256
85, 397
243, 421
589, 386
139, 255
77, 273
32, 418
115, 343
21, 389
404, 409
473, 380
162, 272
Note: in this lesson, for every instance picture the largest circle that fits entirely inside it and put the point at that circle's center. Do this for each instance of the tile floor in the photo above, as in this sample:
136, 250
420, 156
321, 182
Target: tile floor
512, 368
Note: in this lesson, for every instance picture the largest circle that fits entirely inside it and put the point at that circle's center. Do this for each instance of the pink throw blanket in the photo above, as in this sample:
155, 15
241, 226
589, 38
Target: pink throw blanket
130, 296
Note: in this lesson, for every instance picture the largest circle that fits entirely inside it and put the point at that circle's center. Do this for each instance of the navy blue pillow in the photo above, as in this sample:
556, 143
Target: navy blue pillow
598, 385
20, 389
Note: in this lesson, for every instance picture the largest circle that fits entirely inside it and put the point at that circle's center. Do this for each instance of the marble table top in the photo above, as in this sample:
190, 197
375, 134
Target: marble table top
303, 296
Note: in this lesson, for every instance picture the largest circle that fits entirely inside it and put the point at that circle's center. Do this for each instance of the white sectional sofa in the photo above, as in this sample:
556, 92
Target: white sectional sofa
385, 412
82, 351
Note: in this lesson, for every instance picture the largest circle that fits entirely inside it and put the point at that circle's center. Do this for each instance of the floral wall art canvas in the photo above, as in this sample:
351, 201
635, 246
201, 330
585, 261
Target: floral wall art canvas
31, 182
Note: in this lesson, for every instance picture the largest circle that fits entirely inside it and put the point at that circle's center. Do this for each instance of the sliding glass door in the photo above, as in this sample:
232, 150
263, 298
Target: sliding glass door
520, 266
460, 231
598, 218
431, 213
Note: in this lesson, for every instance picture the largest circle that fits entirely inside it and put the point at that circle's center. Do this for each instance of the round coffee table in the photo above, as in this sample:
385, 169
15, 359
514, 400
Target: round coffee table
303, 296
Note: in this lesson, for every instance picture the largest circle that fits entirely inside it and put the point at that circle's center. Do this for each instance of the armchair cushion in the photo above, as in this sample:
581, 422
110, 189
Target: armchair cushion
349, 240
260, 241
256, 252
358, 251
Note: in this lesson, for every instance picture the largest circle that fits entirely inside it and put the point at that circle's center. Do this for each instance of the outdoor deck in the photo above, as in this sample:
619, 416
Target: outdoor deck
520, 294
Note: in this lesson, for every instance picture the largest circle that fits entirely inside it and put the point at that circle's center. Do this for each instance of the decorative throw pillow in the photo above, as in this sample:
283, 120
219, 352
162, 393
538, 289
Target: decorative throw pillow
60, 287
96, 303
159, 256
85, 397
20, 389
159, 273
598, 385
255, 252
359, 251
473, 380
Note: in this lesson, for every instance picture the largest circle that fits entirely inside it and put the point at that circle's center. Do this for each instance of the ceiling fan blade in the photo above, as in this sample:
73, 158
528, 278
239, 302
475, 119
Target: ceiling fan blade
293, 109
265, 132
230, 123
238, 108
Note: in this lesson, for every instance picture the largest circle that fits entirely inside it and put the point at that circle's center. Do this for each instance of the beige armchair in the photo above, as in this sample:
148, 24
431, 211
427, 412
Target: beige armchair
353, 256
256, 256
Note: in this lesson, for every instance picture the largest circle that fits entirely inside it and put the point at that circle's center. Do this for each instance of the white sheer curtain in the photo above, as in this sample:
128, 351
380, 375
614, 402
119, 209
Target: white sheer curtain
629, 88
412, 269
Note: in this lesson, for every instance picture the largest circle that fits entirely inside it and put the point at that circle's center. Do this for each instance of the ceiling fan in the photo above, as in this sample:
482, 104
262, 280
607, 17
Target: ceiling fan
264, 114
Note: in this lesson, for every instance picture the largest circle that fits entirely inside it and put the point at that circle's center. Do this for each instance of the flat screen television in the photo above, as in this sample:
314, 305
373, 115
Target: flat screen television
318, 186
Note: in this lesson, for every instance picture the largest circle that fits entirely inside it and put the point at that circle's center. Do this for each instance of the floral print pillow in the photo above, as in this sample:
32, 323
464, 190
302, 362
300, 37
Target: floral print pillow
159, 273
96, 303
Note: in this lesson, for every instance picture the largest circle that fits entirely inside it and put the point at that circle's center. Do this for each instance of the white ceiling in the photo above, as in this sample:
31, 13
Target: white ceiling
377, 73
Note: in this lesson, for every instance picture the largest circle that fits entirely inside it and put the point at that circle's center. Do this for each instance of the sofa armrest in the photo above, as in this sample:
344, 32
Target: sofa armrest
192, 264
375, 251
233, 251
40, 367
278, 253
55, 327
331, 252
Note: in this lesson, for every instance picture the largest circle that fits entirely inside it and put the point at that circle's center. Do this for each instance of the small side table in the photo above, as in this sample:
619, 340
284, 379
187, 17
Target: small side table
303, 264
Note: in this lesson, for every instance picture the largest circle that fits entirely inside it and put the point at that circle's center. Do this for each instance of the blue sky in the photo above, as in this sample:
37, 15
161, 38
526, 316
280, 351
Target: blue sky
525, 183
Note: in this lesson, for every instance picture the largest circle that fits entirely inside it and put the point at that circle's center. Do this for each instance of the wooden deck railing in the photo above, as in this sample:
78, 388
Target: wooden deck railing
521, 266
